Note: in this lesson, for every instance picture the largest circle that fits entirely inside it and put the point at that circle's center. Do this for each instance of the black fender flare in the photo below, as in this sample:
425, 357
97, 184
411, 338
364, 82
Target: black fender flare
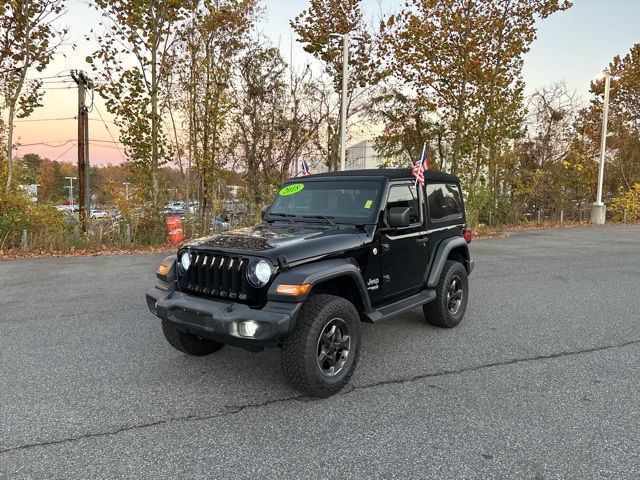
315, 273
441, 256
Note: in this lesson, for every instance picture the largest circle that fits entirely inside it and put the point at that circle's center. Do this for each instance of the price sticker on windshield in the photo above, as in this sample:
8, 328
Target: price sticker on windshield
368, 204
291, 189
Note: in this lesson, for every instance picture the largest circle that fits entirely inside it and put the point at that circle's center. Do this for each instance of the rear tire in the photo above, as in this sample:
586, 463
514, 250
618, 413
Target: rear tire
452, 293
187, 342
322, 352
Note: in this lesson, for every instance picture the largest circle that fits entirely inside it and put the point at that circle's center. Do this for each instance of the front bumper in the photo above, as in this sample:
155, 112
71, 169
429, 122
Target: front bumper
218, 319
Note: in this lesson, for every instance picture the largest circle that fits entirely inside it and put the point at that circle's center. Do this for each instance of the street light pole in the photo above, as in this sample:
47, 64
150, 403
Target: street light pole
346, 39
71, 179
599, 209
343, 99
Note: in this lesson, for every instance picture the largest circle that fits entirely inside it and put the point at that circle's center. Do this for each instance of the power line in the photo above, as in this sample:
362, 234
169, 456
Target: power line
66, 151
109, 131
44, 119
100, 120
90, 109
57, 75
106, 141
47, 144
113, 147
52, 80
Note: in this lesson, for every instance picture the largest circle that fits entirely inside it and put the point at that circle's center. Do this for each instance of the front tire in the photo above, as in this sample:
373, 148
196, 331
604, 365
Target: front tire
187, 342
452, 293
322, 352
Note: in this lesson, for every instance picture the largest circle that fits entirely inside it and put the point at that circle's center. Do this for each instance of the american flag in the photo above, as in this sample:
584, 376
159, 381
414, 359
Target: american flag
421, 165
305, 168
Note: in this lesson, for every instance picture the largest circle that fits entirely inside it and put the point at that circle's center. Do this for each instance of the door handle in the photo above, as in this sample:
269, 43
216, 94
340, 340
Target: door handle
422, 240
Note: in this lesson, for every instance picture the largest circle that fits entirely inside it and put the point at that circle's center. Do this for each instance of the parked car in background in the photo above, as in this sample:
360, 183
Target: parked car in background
168, 212
222, 222
174, 205
95, 214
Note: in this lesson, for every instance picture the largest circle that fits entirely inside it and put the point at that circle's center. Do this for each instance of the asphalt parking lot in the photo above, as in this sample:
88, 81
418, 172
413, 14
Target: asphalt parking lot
540, 381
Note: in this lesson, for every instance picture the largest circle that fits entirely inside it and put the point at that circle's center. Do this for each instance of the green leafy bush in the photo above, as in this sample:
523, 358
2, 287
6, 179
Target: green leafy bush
626, 205
45, 225
483, 208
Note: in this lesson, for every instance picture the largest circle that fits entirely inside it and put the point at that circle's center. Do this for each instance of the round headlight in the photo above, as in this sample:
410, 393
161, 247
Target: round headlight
259, 273
185, 261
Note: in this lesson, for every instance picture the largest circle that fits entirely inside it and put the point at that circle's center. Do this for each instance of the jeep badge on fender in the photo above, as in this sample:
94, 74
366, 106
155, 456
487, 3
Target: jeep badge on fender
333, 250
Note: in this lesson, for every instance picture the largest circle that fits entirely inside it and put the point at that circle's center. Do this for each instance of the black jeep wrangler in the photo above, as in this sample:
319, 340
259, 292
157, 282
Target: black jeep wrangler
333, 249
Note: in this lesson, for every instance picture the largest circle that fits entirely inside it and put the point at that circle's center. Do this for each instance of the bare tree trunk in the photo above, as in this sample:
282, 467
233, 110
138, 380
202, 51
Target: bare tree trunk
154, 128
10, 123
10, 148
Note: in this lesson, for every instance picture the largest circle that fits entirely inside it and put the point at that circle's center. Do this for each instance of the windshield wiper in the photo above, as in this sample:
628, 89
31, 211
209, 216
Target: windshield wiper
288, 216
322, 217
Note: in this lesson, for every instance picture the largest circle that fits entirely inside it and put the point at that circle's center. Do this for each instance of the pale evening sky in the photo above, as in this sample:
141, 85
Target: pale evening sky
572, 46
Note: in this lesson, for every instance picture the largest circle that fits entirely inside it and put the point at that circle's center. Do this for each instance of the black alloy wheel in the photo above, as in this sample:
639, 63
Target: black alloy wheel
334, 345
321, 354
452, 294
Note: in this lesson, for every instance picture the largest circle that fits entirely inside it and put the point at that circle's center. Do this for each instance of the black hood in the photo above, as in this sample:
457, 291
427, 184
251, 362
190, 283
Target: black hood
295, 242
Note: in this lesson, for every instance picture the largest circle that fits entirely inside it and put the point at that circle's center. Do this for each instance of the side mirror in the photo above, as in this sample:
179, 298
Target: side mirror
399, 217
264, 212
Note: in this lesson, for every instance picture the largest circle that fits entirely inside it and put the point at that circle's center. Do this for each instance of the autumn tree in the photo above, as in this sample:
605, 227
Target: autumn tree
29, 38
407, 127
132, 61
547, 172
463, 58
215, 35
313, 27
29, 167
277, 122
622, 170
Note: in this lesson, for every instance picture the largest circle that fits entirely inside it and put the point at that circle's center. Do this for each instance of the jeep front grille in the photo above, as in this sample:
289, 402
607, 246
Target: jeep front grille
217, 275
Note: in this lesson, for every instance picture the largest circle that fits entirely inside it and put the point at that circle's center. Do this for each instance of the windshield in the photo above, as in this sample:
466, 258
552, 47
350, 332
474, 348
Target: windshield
346, 200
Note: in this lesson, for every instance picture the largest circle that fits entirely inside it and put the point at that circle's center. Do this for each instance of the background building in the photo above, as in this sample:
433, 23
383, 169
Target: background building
362, 155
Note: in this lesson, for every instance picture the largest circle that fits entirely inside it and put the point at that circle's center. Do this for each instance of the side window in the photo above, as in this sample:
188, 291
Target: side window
405, 196
444, 202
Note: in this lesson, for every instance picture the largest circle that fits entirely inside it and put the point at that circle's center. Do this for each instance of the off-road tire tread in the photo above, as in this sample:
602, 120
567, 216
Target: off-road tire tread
294, 347
188, 343
436, 312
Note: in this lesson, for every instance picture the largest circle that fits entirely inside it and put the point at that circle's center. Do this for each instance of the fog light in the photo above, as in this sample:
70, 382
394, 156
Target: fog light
248, 328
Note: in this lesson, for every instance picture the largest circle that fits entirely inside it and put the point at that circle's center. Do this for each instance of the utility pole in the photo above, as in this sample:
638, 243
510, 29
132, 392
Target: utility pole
346, 39
84, 195
126, 188
71, 179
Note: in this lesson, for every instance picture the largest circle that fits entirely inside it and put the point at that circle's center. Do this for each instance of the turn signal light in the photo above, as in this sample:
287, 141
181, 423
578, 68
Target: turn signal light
295, 290
466, 233
163, 269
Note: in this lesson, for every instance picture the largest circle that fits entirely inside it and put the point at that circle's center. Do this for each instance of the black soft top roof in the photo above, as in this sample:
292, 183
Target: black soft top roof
391, 173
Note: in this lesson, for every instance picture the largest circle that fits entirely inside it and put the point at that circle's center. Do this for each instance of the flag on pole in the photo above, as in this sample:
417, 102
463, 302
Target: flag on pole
421, 165
305, 168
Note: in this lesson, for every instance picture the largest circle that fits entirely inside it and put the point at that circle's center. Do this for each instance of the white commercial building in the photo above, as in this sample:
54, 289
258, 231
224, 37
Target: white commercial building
362, 155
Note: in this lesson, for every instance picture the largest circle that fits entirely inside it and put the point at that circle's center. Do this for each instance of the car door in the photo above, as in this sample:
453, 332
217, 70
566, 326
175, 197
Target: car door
405, 251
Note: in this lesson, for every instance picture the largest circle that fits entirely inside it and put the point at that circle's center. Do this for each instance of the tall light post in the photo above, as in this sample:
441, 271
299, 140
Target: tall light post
71, 179
599, 209
346, 39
